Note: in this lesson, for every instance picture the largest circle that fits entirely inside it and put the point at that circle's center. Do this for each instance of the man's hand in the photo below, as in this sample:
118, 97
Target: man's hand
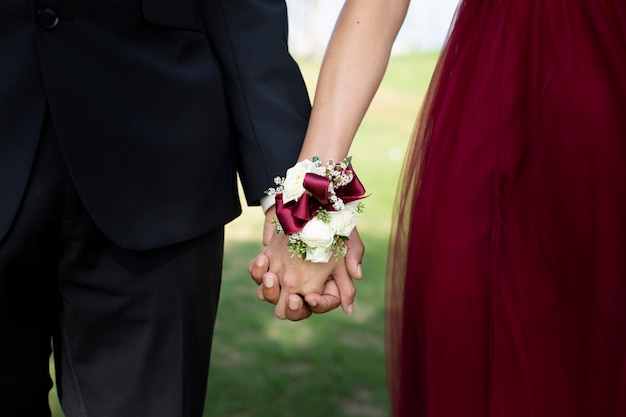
298, 308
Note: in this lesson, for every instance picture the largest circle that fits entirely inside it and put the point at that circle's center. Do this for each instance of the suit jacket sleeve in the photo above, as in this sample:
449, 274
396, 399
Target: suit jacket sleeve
268, 101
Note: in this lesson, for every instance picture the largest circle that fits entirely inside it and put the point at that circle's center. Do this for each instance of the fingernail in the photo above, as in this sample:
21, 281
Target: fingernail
312, 303
268, 281
259, 261
360, 270
293, 304
351, 309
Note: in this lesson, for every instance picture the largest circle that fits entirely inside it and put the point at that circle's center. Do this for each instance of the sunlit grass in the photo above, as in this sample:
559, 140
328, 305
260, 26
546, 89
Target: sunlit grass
329, 365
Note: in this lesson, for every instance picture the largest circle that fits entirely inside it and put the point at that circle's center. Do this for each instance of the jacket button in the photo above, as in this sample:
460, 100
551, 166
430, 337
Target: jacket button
47, 18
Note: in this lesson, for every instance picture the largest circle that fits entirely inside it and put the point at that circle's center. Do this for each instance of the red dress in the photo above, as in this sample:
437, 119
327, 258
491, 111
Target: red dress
507, 288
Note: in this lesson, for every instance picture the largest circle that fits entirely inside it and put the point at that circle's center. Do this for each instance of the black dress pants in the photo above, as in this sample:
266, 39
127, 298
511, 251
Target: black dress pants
132, 330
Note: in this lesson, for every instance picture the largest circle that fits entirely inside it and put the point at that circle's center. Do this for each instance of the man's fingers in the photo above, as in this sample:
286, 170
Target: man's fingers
297, 309
281, 306
270, 287
259, 266
259, 293
325, 302
291, 307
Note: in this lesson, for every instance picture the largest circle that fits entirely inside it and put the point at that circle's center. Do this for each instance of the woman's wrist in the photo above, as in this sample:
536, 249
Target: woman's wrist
318, 205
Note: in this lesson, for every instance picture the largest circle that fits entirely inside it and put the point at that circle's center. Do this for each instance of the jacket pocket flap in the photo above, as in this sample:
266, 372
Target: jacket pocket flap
180, 14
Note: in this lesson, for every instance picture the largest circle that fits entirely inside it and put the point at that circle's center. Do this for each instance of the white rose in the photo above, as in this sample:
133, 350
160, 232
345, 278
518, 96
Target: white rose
317, 234
318, 255
293, 186
343, 221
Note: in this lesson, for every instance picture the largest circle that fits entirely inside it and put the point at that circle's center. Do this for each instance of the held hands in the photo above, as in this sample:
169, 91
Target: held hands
300, 288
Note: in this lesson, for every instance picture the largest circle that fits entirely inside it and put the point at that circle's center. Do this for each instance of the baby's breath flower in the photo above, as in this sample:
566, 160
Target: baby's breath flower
323, 215
296, 246
279, 227
339, 247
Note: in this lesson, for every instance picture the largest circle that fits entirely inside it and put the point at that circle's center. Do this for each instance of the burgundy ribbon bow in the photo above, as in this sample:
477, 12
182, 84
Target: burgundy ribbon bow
294, 215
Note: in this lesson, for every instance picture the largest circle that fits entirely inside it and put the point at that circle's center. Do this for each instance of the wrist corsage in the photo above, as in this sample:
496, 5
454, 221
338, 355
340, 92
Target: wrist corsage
317, 206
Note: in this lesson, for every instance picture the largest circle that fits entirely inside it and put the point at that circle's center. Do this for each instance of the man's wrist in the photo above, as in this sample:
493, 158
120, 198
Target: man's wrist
267, 202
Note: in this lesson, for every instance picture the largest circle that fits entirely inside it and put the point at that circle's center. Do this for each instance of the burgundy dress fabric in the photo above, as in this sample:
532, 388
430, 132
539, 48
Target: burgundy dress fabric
506, 294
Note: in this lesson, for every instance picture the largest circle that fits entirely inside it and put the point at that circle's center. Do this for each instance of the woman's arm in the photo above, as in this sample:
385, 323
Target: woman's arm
352, 69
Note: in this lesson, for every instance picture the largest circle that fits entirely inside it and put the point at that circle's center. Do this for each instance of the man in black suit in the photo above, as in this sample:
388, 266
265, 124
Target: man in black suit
123, 124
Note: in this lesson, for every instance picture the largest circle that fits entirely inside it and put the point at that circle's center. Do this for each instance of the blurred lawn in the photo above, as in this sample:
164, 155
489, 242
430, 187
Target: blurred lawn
329, 365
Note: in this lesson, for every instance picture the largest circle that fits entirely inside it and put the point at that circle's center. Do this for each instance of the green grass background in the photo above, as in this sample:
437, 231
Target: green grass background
332, 364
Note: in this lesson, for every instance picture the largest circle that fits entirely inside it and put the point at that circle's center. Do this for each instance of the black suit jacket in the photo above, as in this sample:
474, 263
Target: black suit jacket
156, 104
